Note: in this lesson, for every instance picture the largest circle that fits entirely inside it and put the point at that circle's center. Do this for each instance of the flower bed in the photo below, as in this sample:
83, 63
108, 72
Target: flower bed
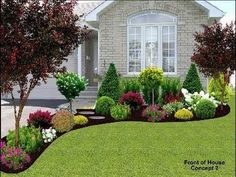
135, 116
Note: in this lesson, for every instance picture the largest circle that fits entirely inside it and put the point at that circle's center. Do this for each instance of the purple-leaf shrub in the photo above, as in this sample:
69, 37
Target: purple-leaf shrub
133, 99
40, 119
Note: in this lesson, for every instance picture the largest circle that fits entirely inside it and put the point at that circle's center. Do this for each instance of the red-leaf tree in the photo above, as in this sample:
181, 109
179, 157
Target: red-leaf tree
36, 36
215, 52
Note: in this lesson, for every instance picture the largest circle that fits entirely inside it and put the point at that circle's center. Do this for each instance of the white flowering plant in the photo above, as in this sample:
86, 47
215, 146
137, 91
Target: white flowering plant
48, 135
191, 100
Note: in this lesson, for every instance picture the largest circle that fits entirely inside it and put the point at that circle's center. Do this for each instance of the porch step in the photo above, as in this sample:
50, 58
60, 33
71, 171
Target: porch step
89, 93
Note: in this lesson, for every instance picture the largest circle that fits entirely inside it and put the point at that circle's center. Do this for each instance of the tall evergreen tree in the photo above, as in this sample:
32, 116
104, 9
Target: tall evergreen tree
110, 85
192, 81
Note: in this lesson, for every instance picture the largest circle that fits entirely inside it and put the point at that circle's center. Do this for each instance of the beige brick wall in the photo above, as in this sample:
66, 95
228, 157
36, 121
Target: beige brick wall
113, 31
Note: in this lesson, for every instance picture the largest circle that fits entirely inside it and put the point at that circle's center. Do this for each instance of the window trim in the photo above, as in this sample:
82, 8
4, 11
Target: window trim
160, 54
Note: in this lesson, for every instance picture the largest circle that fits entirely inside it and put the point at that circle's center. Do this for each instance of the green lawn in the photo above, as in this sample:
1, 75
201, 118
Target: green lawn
140, 149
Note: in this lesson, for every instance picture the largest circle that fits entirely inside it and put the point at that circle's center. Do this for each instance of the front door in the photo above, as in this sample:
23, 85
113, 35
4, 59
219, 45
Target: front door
91, 60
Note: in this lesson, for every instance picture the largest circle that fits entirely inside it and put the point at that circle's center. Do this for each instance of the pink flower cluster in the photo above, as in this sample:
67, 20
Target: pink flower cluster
154, 113
13, 157
40, 119
133, 99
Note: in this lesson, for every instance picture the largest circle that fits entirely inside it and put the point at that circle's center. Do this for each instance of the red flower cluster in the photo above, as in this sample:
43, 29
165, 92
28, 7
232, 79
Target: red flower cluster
133, 99
40, 119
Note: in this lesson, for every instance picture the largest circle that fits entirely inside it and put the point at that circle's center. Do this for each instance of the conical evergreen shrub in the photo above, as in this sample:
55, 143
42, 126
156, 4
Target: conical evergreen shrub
192, 81
110, 85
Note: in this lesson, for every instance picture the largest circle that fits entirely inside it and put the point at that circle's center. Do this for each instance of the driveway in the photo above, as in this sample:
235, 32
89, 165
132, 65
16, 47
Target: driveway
7, 112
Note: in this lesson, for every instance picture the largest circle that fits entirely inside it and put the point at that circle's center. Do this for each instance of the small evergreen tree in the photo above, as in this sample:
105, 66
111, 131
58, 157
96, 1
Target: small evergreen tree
110, 85
192, 81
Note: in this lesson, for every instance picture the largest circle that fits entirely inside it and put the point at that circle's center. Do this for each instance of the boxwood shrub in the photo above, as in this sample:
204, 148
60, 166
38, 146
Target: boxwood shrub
205, 109
103, 105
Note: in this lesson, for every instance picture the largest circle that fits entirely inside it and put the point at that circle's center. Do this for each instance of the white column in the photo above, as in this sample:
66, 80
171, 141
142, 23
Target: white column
79, 60
98, 51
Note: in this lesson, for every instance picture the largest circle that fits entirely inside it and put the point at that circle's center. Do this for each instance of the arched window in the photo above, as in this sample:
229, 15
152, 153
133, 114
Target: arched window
152, 41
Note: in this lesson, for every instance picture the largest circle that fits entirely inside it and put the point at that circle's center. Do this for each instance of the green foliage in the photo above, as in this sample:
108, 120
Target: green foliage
150, 79
104, 104
80, 120
170, 86
70, 84
63, 121
120, 112
110, 86
171, 108
205, 109
183, 114
192, 81
130, 85
147, 95
30, 139
215, 88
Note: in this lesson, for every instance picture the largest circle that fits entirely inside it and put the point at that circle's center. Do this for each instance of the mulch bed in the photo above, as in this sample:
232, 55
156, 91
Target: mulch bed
136, 116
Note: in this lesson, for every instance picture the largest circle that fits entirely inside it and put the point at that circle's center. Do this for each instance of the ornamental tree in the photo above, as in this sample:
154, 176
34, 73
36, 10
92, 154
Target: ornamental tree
36, 36
151, 78
70, 85
215, 52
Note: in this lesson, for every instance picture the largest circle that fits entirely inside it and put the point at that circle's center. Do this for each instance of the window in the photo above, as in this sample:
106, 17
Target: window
152, 41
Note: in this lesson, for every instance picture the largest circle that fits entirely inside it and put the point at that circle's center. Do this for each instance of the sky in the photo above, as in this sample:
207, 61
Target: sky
227, 6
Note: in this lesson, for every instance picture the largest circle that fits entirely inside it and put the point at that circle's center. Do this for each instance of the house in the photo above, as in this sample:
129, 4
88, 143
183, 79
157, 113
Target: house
134, 35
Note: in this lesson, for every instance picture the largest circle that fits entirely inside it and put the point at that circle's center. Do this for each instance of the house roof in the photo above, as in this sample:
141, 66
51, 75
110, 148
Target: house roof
85, 7
91, 14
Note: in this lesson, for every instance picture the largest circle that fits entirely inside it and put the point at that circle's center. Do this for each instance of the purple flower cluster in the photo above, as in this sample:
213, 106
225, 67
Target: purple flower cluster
13, 157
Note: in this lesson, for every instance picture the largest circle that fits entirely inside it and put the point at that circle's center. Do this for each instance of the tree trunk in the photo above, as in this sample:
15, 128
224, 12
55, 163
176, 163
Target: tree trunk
17, 127
70, 101
153, 97
223, 85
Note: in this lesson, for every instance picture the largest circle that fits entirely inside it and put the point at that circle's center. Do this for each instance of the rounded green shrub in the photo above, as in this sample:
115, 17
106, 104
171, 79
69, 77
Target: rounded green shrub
192, 81
80, 120
63, 121
103, 105
205, 109
215, 89
120, 112
30, 139
110, 86
171, 108
183, 114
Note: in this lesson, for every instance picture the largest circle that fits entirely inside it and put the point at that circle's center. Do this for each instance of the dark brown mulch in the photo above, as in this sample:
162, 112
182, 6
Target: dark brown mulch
136, 116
